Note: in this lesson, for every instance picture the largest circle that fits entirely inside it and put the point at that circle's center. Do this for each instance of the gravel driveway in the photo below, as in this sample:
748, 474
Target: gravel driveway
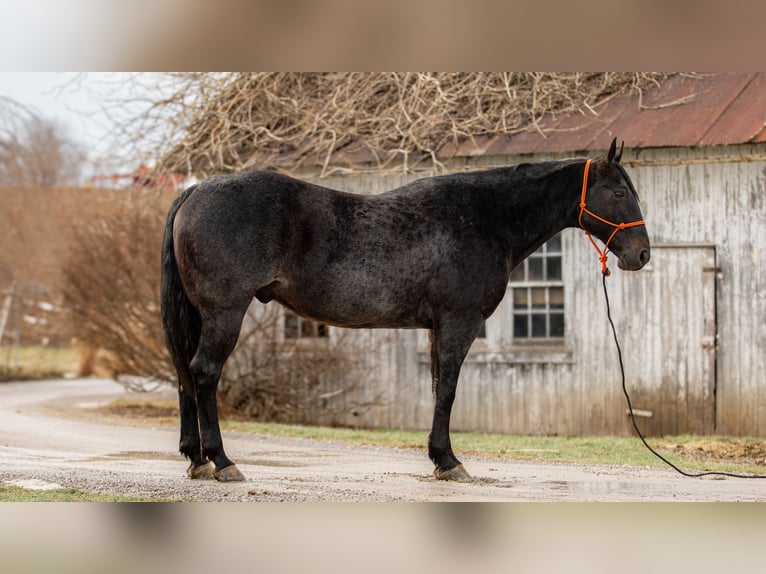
47, 437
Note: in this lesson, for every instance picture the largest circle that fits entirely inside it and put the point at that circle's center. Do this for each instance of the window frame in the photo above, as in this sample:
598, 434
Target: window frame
320, 331
532, 287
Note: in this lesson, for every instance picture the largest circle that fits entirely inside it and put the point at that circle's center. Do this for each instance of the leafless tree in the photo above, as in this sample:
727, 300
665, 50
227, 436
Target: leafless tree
34, 151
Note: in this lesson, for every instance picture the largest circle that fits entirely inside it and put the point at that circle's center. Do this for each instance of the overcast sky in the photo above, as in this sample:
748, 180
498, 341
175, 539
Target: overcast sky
68, 98
81, 102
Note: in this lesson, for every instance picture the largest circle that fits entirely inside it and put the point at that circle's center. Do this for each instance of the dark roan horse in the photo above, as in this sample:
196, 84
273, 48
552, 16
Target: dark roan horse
434, 254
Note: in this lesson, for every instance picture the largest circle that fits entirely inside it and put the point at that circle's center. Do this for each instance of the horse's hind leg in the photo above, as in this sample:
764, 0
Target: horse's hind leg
220, 330
190, 446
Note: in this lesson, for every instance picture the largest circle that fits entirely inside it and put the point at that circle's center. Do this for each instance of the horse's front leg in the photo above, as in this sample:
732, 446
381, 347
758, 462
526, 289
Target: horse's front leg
450, 342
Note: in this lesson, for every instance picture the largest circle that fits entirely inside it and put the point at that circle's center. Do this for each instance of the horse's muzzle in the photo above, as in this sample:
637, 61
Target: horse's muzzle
635, 258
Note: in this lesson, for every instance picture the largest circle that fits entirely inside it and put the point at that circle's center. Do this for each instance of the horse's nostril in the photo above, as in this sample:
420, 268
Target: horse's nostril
643, 257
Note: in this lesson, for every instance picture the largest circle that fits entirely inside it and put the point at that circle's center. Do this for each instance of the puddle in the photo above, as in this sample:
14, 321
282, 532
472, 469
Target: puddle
156, 455
35, 484
477, 480
581, 487
137, 454
275, 463
91, 404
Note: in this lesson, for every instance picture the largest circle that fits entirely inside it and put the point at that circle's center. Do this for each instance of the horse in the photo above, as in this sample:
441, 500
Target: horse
434, 254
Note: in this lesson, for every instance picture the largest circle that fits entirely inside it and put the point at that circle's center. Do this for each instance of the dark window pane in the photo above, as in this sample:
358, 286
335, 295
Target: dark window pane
535, 268
553, 265
557, 324
312, 329
520, 328
518, 273
482, 331
291, 326
554, 244
538, 326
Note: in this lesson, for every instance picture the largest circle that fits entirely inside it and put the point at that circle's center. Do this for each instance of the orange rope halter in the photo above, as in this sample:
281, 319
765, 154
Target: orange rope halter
602, 254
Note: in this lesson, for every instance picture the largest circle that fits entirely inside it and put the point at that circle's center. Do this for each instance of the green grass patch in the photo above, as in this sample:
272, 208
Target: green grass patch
38, 361
382, 437
586, 450
10, 493
160, 411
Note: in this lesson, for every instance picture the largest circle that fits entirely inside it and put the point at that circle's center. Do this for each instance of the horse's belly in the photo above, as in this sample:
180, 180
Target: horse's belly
374, 306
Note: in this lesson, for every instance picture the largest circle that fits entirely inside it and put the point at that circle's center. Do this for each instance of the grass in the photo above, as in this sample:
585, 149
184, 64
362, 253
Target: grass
9, 493
586, 450
37, 361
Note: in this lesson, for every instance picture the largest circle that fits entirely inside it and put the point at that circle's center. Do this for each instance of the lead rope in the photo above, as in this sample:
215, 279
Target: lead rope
633, 418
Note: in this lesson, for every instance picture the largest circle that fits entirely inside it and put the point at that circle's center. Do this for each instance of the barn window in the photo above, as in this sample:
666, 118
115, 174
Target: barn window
538, 295
296, 327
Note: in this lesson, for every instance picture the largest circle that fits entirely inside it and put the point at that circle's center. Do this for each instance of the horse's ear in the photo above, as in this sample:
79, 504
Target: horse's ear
618, 156
612, 151
603, 162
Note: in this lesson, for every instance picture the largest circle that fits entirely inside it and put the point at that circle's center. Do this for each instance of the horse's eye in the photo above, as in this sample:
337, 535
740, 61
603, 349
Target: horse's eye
619, 192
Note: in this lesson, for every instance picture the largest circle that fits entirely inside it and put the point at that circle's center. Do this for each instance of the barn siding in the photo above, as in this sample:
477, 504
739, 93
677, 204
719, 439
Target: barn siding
722, 202
703, 198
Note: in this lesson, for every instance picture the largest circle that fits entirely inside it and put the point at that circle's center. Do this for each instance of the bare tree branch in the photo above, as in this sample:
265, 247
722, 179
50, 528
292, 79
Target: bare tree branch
224, 122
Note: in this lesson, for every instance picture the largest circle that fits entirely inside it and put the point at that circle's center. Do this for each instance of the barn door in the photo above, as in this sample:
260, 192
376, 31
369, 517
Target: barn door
671, 358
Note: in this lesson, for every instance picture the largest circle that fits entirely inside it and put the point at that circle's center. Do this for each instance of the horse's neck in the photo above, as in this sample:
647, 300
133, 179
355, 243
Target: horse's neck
540, 205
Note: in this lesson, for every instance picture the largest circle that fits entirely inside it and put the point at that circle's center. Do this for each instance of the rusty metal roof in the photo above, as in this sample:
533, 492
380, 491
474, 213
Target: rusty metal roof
698, 110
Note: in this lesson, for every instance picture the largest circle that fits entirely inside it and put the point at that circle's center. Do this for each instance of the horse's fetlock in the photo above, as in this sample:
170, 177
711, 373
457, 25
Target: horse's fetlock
188, 448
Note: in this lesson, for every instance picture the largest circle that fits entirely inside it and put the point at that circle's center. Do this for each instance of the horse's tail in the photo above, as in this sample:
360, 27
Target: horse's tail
180, 319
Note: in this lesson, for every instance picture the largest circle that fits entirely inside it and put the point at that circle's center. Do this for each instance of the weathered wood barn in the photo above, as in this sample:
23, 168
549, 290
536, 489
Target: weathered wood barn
692, 323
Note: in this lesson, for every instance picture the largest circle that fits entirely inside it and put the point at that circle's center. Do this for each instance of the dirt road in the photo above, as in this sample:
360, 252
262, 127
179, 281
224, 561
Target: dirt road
47, 437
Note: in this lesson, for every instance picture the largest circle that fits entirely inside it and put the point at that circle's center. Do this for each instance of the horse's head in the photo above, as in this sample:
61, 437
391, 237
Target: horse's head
609, 210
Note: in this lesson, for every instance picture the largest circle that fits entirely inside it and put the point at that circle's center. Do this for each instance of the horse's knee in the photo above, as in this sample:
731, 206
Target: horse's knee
206, 374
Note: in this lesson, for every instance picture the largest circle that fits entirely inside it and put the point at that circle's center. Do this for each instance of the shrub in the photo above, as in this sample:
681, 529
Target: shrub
316, 380
110, 287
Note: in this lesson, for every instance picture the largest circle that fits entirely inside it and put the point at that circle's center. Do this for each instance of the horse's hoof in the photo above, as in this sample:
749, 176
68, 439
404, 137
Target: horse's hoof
229, 474
202, 472
457, 474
